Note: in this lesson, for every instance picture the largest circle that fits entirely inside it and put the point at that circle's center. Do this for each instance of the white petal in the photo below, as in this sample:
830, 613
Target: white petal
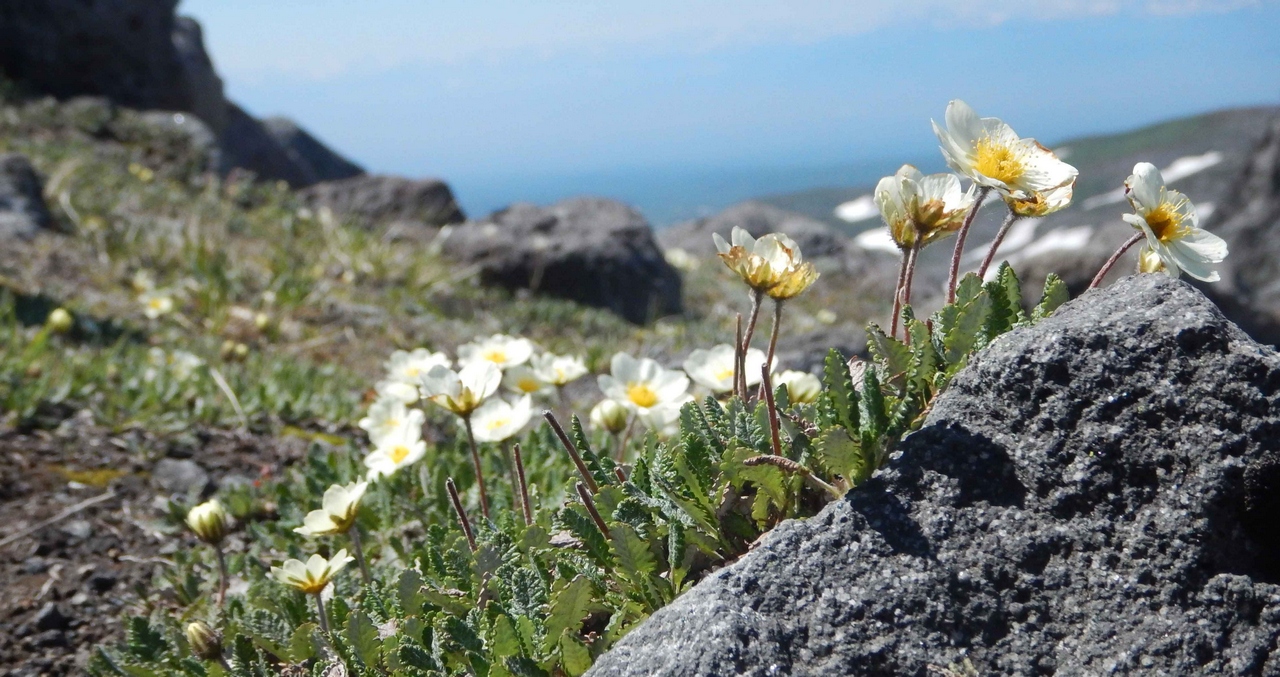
1145, 186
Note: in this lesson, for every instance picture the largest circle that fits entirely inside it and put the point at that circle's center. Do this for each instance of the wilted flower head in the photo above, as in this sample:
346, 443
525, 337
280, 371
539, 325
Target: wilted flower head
337, 513
59, 321
988, 151
802, 387
409, 366
559, 370
610, 415
497, 419
387, 415
462, 392
642, 384
921, 209
314, 575
396, 449
501, 350
204, 641
1171, 225
155, 302
772, 261
713, 369
209, 521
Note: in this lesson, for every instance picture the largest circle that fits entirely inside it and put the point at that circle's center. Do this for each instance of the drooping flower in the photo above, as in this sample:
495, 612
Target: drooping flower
802, 387
337, 513
209, 521
1171, 225
501, 350
396, 449
462, 392
387, 415
772, 261
713, 369
642, 384
523, 379
409, 366
988, 151
313, 576
558, 370
155, 302
497, 419
610, 415
921, 209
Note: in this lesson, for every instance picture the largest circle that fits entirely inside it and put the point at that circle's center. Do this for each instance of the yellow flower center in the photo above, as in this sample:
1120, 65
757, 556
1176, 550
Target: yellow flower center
997, 161
398, 453
528, 385
156, 304
497, 423
1166, 223
641, 395
497, 356
412, 372
724, 374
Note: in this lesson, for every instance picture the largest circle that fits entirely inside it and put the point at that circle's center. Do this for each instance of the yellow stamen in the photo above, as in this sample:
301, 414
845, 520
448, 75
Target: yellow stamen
724, 374
1166, 222
496, 356
641, 395
497, 423
997, 161
528, 385
398, 453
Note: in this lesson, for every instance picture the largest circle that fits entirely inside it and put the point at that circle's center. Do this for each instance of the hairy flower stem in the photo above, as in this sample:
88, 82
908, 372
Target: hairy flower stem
773, 334
738, 381
912, 258
621, 451
766, 384
787, 465
222, 573
756, 297
591, 508
1111, 262
359, 552
573, 451
462, 512
524, 487
995, 244
475, 460
897, 293
960, 237
324, 618
511, 471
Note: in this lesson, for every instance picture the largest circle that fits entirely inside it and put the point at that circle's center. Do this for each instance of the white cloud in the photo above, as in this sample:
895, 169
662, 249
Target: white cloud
320, 39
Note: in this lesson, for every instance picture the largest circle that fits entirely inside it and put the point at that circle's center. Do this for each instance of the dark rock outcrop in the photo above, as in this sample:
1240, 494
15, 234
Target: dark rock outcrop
1093, 495
595, 251
22, 208
375, 199
319, 162
816, 239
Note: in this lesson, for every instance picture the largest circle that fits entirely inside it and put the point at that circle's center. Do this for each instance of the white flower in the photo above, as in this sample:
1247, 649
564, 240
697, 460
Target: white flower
771, 264
397, 390
713, 369
409, 367
642, 384
524, 380
387, 415
314, 575
499, 349
183, 364
155, 303
559, 370
462, 391
802, 387
209, 521
919, 208
1171, 225
988, 151
497, 419
338, 511
664, 419
610, 415
396, 449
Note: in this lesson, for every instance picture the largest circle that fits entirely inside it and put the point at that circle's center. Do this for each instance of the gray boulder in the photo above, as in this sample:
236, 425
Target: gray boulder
379, 200
816, 239
304, 150
22, 209
595, 251
1093, 495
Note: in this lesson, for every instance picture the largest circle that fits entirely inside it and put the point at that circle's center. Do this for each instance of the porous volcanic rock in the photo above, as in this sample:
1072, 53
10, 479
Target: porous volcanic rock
379, 200
22, 208
1093, 495
595, 251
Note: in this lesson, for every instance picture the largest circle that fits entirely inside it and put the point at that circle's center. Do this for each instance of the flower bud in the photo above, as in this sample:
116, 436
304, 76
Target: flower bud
59, 321
262, 321
610, 415
205, 641
1149, 261
209, 521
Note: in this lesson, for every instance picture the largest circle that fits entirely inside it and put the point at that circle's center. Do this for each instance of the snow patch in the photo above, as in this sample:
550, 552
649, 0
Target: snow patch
1020, 235
876, 239
859, 209
1062, 239
1178, 169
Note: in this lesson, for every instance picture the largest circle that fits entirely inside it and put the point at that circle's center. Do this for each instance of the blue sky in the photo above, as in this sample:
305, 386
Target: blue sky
685, 105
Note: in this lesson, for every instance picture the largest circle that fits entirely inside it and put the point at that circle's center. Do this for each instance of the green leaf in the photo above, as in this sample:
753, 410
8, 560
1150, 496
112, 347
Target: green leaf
840, 454
363, 636
892, 357
1055, 294
769, 480
875, 418
838, 404
963, 337
924, 359
675, 553
302, 646
1006, 302
409, 591
412, 655
970, 288
568, 608
575, 655
632, 553
505, 641
575, 519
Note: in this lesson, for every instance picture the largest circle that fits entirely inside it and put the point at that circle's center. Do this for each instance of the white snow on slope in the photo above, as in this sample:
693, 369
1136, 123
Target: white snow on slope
1178, 169
860, 209
876, 239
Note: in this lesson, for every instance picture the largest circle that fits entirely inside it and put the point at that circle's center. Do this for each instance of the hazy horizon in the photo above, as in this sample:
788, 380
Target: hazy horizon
683, 108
